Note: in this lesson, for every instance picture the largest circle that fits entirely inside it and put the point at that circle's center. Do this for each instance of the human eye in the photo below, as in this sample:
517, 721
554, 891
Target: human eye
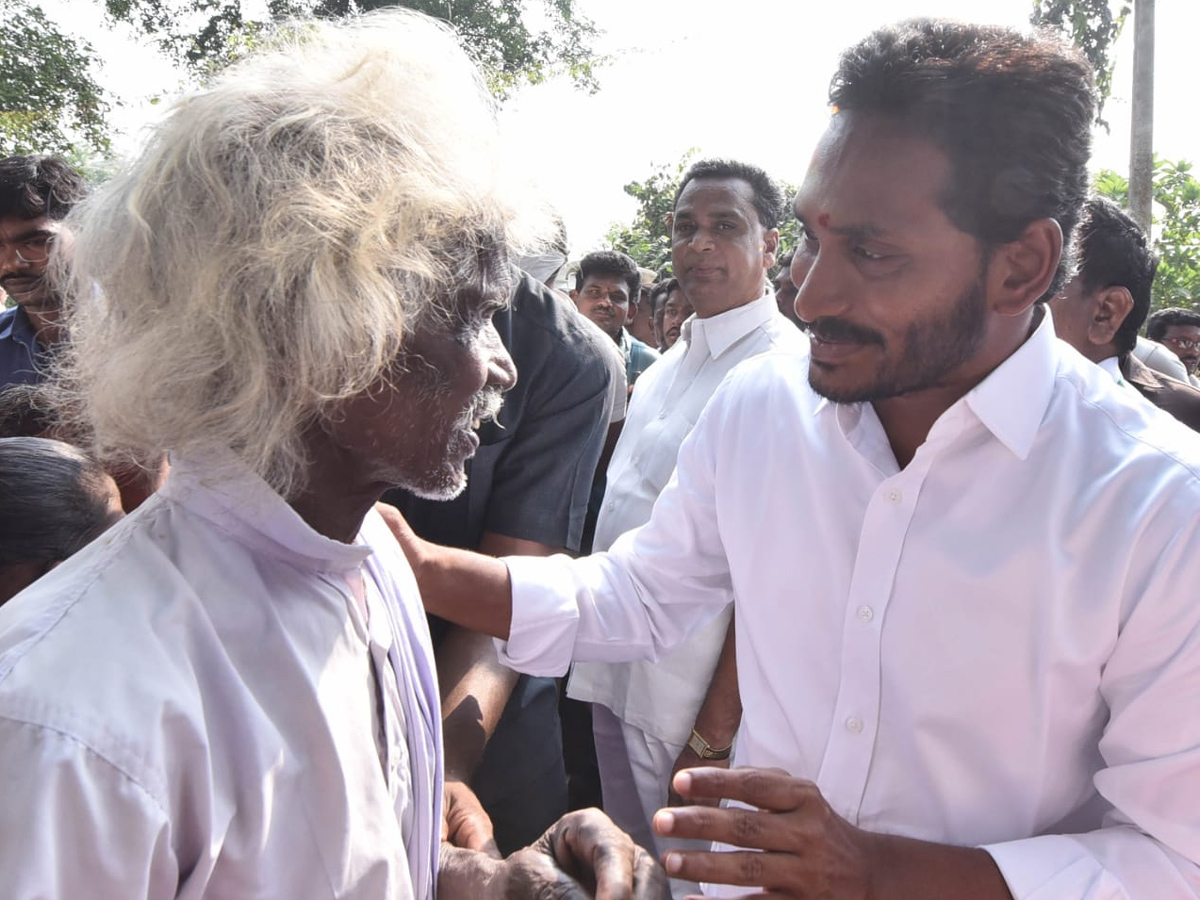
868, 255
684, 226
810, 241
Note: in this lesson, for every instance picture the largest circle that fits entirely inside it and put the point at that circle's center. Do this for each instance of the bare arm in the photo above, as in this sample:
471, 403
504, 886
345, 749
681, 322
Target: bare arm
718, 718
466, 588
475, 689
475, 685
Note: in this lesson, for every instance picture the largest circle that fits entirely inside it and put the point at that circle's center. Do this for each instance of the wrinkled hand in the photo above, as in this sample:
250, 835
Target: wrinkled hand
689, 759
465, 824
584, 855
812, 851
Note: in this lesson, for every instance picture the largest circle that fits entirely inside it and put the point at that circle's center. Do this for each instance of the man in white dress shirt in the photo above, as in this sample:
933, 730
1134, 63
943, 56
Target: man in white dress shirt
1102, 307
723, 240
231, 694
964, 559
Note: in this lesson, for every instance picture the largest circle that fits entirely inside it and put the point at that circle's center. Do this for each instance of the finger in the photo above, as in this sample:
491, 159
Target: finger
736, 826
613, 867
745, 868
649, 880
764, 788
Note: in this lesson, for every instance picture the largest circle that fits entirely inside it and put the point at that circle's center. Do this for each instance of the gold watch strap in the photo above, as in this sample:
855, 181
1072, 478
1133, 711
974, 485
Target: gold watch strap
704, 749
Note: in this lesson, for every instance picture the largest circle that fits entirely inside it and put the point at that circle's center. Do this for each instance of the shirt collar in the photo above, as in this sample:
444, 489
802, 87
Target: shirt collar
1012, 401
19, 328
218, 486
725, 329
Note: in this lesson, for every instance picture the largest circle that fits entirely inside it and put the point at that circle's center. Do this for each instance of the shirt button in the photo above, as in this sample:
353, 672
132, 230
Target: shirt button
865, 613
663, 414
894, 497
854, 725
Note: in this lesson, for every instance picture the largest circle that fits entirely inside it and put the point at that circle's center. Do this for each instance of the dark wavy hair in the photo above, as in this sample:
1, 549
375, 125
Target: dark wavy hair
1012, 112
32, 186
614, 263
768, 198
1112, 251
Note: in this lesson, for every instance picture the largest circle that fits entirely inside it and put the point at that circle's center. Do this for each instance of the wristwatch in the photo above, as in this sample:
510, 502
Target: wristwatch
704, 749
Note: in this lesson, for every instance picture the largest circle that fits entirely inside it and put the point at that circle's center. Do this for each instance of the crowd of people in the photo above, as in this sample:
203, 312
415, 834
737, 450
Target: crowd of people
358, 540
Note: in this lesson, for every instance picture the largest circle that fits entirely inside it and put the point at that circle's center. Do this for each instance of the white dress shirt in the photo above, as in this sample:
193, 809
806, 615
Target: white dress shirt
214, 701
998, 645
662, 698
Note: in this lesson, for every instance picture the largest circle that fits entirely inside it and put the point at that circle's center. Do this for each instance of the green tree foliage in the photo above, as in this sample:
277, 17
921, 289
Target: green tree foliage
204, 34
49, 101
1176, 231
648, 237
1094, 28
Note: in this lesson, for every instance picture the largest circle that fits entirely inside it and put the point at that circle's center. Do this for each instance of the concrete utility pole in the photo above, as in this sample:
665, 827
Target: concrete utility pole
1141, 145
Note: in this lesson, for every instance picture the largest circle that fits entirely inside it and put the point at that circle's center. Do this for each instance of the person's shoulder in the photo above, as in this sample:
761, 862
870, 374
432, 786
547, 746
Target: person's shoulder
550, 332
1117, 429
775, 379
101, 642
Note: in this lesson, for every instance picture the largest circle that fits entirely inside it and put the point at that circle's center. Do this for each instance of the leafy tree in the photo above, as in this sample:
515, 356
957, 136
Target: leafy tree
648, 238
1094, 28
49, 101
1176, 233
206, 33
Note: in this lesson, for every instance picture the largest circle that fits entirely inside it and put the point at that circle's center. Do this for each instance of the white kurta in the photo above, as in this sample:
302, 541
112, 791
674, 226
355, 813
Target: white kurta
197, 706
998, 645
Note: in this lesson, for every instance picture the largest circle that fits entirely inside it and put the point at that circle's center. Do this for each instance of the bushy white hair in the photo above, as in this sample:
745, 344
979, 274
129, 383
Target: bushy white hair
281, 233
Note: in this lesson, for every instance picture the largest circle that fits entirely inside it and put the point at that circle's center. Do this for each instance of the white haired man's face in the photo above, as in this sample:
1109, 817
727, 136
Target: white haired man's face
416, 427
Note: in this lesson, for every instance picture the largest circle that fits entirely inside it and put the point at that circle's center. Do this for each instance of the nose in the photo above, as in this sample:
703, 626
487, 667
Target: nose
10, 261
502, 371
819, 289
701, 239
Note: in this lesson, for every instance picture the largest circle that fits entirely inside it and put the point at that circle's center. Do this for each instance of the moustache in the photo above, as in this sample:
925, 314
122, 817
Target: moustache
839, 331
485, 408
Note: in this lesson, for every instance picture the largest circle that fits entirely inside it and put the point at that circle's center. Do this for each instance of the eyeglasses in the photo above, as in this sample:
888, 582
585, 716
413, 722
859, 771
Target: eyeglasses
1181, 343
35, 249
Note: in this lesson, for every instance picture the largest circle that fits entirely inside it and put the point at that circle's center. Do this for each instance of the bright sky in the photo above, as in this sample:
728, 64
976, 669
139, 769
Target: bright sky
746, 80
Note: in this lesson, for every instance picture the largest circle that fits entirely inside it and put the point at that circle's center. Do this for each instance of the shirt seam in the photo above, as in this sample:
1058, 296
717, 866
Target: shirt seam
1162, 451
91, 751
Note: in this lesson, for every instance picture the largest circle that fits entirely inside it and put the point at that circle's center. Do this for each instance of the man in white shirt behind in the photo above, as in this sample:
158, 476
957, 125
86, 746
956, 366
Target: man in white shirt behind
963, 558
723, 242
231, 694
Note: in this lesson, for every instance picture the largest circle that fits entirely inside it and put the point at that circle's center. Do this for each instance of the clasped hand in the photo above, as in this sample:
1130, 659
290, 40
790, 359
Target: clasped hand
581, 856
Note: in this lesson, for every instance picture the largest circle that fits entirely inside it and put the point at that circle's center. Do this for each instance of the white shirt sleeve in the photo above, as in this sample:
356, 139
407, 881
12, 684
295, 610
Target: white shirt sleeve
1151, 751
654, 587
76, 826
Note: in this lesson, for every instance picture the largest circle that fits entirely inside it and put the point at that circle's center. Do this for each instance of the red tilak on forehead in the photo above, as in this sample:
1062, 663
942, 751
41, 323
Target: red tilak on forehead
823, 220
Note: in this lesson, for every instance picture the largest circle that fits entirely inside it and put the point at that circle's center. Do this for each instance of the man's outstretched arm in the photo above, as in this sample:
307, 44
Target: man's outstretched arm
466, 588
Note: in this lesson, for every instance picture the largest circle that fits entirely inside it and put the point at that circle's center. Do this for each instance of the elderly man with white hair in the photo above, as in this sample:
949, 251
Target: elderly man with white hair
232, 694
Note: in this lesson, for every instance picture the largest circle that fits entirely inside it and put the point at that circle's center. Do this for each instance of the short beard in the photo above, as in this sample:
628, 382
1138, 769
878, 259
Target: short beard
448, 480
933, 347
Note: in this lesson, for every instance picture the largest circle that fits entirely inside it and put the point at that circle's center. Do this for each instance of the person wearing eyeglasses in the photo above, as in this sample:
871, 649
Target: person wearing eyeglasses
36, 193
1179, 331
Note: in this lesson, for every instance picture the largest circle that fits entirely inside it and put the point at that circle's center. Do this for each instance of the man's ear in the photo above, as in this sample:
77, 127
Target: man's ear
1021, 271
1112, 305
574, 294
770, 247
